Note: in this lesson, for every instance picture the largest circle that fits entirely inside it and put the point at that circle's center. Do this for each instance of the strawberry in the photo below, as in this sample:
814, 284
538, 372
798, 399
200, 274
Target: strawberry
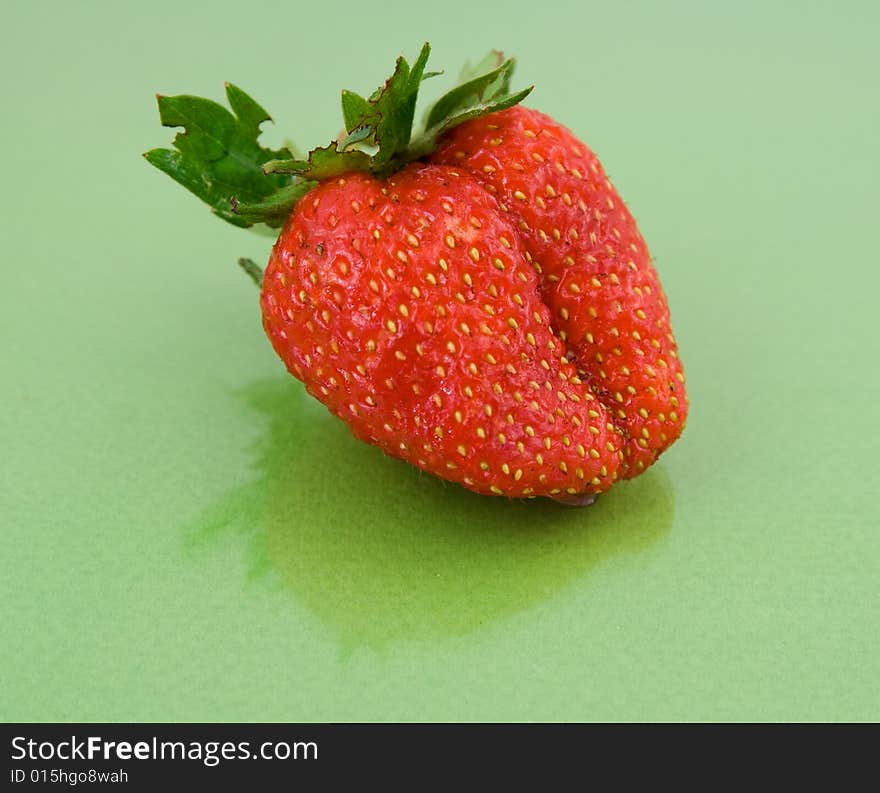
476, 300
596, 276
409, 307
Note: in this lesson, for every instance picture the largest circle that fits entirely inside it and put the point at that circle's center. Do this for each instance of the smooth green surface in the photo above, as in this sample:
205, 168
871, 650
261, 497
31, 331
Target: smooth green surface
185, 536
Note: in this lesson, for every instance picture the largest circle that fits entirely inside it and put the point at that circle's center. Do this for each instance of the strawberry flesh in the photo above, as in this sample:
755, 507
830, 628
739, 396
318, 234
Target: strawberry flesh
593, 266
412, 309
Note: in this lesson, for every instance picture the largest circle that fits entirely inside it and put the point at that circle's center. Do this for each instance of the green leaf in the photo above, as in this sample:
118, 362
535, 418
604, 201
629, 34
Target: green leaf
390, 112
383, 123
328, 161
275, 209
479, 90
323, 163
217, 156
409, 99
477, 110
250, 114
291, 166
491, 61
354, 110
359, 135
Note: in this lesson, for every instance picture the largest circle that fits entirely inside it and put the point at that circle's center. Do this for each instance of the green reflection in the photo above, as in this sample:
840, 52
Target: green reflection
380, 551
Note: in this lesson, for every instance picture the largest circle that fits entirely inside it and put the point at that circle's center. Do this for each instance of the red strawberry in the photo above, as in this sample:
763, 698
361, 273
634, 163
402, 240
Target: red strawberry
492, 318
594, 268
410, 309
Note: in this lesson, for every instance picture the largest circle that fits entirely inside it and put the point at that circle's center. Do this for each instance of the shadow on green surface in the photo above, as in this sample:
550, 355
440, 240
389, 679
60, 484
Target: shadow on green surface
380, 551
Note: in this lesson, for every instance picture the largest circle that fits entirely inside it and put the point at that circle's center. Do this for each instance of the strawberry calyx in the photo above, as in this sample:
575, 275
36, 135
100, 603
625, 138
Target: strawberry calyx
218, 158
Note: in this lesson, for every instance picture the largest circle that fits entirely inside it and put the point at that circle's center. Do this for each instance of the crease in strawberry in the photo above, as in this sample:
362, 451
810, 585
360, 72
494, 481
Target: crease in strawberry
595, 269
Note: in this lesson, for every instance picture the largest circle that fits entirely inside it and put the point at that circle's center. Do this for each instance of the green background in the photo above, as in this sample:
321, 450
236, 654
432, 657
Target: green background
186, 536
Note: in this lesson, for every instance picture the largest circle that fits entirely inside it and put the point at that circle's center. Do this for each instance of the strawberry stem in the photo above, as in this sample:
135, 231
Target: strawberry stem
254, 271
